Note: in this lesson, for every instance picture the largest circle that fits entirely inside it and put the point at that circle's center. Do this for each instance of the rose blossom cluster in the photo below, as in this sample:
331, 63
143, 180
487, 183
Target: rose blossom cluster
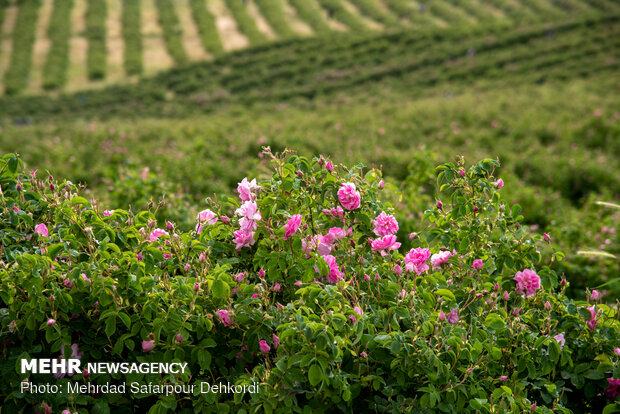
385, 227
249, 214
528, 282
324, 244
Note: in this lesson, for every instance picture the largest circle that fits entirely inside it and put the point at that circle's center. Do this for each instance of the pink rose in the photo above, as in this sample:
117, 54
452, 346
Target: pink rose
595, 294
243, 239
385, 243
51, 322
292, 225
41, 229
499, 183
593, 321
224, 317
205, 217
385, 225
349, 197
617, 351
478, 264
527, 282
334, 273
328, 166
440, 258
613, 391
148, 346
415, 260
249, 210
453, 316
245, 188
156, 234
107, 213
264, 347
560, 340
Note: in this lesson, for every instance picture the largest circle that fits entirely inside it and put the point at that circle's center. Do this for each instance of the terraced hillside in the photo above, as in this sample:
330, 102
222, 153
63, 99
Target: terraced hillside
305, 69
76, 44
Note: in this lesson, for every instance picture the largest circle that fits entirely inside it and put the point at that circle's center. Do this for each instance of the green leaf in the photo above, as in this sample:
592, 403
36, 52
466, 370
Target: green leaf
126, 319
110, 326
446, 294
78, 200
220, 289
315, 374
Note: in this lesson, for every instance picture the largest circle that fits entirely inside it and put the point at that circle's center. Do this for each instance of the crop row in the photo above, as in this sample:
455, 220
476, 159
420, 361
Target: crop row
205, 21
310, 12
306, 68
245, 22
273, 11
171, 27
96, 60
17, 76
337, 11
131, 23
59, 32
371, 9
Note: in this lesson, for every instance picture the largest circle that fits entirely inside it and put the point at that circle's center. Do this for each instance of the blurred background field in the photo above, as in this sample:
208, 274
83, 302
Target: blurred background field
144, 100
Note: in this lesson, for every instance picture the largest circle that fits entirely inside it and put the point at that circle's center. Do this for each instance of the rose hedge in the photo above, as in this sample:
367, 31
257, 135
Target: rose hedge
298, 283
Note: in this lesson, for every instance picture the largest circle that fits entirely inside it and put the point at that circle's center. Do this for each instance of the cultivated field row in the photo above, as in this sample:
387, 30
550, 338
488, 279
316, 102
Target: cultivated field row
75, 44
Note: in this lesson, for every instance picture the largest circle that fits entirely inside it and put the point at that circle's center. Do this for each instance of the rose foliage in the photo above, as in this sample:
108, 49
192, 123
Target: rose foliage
299, 282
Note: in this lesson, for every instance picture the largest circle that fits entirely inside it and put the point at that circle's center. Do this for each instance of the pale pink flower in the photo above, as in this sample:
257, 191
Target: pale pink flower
247, 225
440, 258
264, 347
503, 378
453, 316
527, 282
617, 351
385, 243
478, 264
207, 217
334, 273
148, 346
349, 197
41, 229
298, 283
415, 260
292, 225
243, 239
245, 188
385, 225
107, 213
358, 310
398, 270
157, 233
560, 340
276, 340
224, 317
595, 294
249, 210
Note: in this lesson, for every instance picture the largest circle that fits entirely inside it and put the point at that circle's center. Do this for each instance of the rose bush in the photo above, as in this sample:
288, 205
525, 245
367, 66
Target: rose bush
303, 283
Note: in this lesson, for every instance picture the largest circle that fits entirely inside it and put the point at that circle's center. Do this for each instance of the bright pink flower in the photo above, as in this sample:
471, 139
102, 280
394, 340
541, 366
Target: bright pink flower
499, 183
547, 305
560, 340
546, 237
381, 184
207, 217
51, 322
613, 391
462, 172
196, 287
478, 264
243, 239
415, 260
398, 270
139, 256
107, 213
385, 225
245, 188
617, 351
156, 234
66, 411
593, 321
261, 273
440, 258
41, 229
503, 378
298, 283
439, 204
595, 294
527, 282
224, 317
366, 278
148, 346
264, 347
292, 225
363, 354
276, 287
349, 197
328, 166
442, 316
453, 316
276, 340
358, 310
385, 243
334, 273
